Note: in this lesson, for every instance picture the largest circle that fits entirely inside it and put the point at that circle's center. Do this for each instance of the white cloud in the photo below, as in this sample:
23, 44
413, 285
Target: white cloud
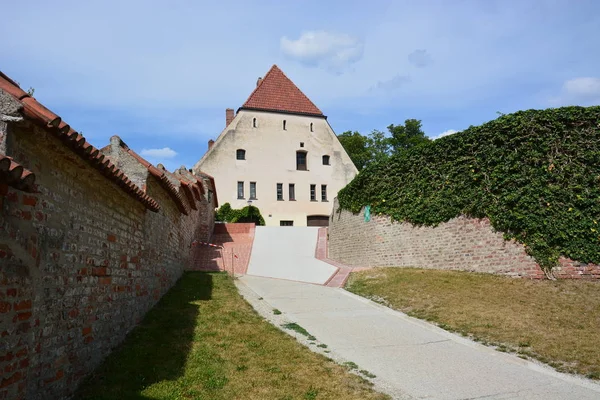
581, 91
320, 48
420, 58
582, 87
445, 133
163, 153
391, 85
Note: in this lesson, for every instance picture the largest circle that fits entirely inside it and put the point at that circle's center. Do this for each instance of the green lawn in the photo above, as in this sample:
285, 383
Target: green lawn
203, 341
557, 322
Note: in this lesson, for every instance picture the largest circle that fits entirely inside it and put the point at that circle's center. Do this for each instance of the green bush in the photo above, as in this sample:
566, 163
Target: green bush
247, 214
535, 174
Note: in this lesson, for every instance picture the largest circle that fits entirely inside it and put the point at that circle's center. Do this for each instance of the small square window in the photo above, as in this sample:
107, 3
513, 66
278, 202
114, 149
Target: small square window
301, 144
326, 160
240, 154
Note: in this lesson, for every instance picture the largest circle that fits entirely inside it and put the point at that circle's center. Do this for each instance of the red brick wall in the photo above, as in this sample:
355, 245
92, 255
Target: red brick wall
459, 244
81, 262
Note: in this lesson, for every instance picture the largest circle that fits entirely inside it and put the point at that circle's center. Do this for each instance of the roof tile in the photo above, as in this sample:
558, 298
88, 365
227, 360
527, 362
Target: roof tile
40, 115
276, 92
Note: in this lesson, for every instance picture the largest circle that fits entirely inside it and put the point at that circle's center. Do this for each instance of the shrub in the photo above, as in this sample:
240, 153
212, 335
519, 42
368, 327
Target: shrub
247, 214
535, 174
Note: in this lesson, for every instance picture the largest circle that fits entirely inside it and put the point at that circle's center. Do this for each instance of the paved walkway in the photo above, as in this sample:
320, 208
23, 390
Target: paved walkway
412, 359
288, 253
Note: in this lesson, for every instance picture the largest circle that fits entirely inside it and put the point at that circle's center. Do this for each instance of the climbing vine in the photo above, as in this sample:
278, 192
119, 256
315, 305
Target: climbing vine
535, 174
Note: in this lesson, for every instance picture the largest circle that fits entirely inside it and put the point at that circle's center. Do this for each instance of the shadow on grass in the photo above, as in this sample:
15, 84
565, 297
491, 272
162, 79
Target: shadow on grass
157, 349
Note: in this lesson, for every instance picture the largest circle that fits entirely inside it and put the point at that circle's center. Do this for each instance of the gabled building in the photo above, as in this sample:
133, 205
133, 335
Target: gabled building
279, 153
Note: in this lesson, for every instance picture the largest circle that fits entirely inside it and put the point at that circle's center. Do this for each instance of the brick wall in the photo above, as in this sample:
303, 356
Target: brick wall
460, 244
81, 262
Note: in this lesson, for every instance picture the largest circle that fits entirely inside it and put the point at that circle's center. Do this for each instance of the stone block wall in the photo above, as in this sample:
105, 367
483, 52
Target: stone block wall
460, 244
81, 262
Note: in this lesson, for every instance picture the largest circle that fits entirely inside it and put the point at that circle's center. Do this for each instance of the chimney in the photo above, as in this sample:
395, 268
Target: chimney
258, 81
229, 115
210, 144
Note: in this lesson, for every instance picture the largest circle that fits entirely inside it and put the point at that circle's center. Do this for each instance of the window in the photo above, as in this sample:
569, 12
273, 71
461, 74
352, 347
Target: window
240, 154
280, 191
254, 122
313, 192
286, 223
325, 160
252, 190
301, 160
311, 127
240, 190
301, 144
292, 192
284, 125
323, 192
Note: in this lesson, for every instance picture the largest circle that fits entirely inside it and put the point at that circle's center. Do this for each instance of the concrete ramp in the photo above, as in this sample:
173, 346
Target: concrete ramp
288, 252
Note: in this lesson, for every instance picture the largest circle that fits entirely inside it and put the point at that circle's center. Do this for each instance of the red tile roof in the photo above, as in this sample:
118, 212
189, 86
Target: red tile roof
40, 115
14, 175
276, 92
160, 176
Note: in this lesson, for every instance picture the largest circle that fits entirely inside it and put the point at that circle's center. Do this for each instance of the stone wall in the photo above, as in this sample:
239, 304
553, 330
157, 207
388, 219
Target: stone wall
460, 244
81, 262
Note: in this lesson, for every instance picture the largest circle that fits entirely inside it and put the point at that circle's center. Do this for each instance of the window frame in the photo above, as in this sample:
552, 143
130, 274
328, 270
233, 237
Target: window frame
298, 165
279, 192
292, 192
252, 195
313, 192
324, 193
328, 158
241, 152
240, 185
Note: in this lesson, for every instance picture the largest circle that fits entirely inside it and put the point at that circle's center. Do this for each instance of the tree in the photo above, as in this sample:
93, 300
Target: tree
357, 147
406, 136
379, 146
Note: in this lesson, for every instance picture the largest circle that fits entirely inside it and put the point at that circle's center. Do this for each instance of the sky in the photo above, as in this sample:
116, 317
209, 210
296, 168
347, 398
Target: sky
160, 73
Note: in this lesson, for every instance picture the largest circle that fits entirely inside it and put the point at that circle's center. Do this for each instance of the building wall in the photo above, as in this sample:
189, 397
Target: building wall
81, 262
271, 159
460, 244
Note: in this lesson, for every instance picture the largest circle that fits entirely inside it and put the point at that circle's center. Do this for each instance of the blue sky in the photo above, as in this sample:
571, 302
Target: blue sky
161, 73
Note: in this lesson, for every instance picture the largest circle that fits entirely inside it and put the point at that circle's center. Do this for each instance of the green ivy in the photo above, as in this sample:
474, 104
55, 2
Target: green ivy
247, 214
535, 174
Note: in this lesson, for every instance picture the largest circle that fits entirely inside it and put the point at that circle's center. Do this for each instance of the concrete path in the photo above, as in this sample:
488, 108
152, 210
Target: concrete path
411, 358
288, 253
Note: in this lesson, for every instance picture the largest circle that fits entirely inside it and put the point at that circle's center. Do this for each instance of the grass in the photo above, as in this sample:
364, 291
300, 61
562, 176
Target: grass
203, 341
556, 322
297, 328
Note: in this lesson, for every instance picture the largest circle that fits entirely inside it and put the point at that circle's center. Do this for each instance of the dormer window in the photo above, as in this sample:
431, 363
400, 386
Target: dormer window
284, 123
326, 160
311, 126
254, 122
240, 154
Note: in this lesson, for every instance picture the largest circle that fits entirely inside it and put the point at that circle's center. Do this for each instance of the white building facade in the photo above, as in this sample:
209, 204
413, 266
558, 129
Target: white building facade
279, 153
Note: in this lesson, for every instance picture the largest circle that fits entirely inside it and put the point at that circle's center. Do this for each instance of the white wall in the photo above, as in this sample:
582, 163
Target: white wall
271, 159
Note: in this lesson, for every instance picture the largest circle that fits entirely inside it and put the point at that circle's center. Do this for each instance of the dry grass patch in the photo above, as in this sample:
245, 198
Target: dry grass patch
203, 341
557, 322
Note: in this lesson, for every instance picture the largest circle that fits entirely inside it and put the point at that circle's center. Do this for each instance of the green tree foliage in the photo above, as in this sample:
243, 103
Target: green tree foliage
535, 174
407, 136
378, 145
247, 214
357, 147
